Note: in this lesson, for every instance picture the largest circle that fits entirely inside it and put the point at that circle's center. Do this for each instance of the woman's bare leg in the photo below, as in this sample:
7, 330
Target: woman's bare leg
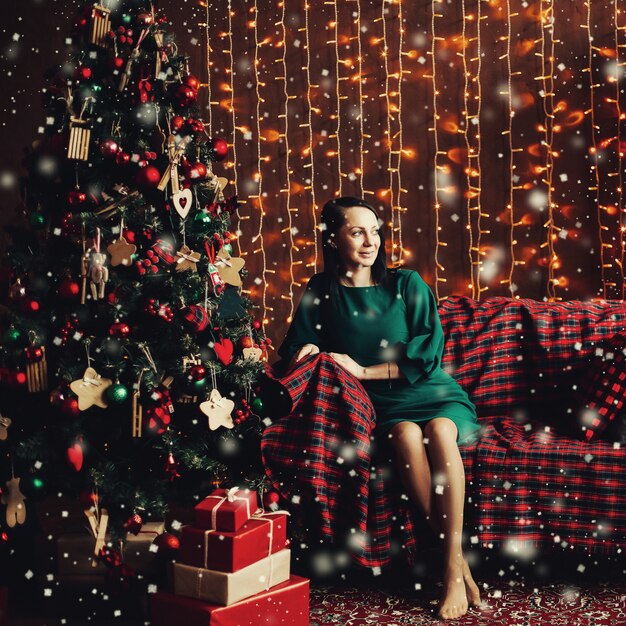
449, 479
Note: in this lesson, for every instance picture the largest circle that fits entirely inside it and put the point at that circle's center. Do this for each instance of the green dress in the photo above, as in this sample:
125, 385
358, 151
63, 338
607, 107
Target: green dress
377, 324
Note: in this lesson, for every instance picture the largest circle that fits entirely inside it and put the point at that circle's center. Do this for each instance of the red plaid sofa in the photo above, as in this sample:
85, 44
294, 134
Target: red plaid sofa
533, 483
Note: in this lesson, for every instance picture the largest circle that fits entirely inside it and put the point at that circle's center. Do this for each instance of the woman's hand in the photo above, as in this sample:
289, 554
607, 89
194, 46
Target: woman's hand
305, 350
349, 364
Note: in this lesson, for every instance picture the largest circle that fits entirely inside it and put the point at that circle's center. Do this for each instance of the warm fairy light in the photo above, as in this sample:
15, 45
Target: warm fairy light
260, 159
207, 26
400, 134
359, 80
233, 113
285, 136
308, 150
547, 78
593, 149
619, 173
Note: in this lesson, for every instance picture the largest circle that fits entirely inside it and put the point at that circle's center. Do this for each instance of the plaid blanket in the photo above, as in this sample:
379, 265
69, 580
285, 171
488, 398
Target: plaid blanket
532, 482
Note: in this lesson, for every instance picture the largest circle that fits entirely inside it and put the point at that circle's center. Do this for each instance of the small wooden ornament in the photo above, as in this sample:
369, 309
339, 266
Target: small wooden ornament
5, 422
98, 275
188, 363
80, 134
252, 353
175, 153
98, 525
13, 499
218, 409
121, 252
187, 259
216, 279
229, 267
100, 25
37, 374
182, 201
90, 389
137, 414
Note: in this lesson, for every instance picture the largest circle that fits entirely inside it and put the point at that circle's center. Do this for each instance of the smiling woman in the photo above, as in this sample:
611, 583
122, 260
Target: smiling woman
381, 325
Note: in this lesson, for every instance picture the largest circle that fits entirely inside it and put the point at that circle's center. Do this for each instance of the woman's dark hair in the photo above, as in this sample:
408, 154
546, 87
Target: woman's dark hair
332, 219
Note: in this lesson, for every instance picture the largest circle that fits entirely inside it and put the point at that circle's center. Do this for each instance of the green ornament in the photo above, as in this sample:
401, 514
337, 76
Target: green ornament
126, 18
202, 218
197, 386
12, 337
228, 248
257, 405
95, 87
34, 487
117, 394
37, 219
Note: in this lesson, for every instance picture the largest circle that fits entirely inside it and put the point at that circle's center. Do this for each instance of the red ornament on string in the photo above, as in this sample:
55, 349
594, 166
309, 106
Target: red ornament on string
76, 197
271, 500
191, 81
119, 329
133, 524
167, 543
109, 148
183, 95
122, 158
171, 467
176, 123
197, 170
148, 177
219, 148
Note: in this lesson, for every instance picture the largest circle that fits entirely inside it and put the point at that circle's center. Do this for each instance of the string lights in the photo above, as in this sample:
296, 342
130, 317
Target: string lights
348, 93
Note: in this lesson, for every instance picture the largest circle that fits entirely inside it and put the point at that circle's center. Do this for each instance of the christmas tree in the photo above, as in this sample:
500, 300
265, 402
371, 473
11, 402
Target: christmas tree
130, 356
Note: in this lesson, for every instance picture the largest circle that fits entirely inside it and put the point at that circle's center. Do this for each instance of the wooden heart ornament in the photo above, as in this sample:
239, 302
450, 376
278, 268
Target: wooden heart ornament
224, 350
182, 201
218, 409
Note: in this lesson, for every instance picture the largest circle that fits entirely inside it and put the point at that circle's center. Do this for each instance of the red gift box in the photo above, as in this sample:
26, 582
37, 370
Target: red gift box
286, 604
226, 509
228, 552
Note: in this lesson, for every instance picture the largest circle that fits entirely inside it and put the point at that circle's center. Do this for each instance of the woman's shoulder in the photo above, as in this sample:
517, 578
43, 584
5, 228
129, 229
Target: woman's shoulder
317, 282
407, 276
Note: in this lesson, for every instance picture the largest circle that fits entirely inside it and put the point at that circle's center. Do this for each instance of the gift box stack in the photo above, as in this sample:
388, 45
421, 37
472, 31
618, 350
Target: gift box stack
234, 568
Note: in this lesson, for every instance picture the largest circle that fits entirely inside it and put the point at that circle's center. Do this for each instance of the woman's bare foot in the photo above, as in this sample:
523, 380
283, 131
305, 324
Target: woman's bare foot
471, 588
454, 599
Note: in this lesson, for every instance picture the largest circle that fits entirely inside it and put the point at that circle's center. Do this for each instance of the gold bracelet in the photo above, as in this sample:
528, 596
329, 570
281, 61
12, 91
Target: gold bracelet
389, 372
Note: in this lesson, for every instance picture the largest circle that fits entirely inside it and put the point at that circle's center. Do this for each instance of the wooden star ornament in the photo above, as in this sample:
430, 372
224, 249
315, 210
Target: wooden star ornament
121, 252
229, 267
218, 409
186, 259
90, 389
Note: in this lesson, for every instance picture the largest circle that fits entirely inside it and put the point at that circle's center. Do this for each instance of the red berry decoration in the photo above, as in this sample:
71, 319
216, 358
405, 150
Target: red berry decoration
117, 63
256, 324
109, 148
76, 197
119, 329
183, 95
68, 289
167, 543
219, 148
88, 499
148, 177
191, 81
245, 341
82, 73
133, 524
122, 158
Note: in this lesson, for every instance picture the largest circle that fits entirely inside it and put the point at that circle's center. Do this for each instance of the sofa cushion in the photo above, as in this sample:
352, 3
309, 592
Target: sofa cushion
524, 355
603, 387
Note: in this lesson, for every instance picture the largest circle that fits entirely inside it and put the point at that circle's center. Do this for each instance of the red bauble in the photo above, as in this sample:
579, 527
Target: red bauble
183, 95
82, 73
195, 126
219, 147
245, 341
271, 500
148, 177
76, 197
109, 148
167, 543
176, 123
69, 406
256, 324
197, 170
191, 81
122, 158
133, 524
30, 306
117, 63
119, 329
197, 372
68, 289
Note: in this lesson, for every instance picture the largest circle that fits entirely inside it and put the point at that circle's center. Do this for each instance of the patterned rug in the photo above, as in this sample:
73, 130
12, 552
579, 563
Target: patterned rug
554, 604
